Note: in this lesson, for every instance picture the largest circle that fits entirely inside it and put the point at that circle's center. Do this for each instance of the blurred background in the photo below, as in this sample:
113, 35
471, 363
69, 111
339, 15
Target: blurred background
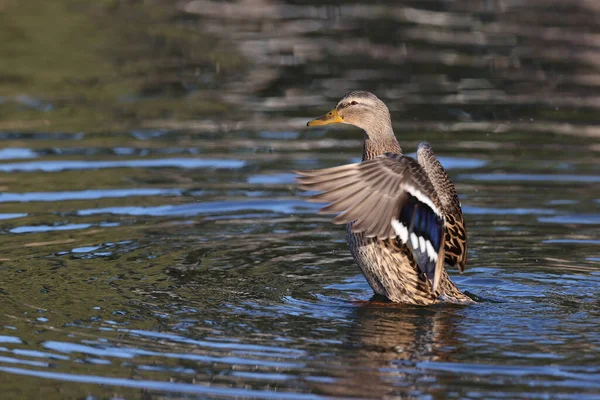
154, 245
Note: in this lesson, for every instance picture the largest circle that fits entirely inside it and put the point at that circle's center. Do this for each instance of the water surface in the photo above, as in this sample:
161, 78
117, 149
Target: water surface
154, 244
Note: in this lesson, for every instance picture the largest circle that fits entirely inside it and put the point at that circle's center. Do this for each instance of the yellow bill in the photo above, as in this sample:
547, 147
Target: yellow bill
332, 117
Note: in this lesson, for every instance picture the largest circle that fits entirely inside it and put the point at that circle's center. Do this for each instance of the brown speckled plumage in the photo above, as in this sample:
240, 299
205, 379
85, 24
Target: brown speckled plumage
401, 260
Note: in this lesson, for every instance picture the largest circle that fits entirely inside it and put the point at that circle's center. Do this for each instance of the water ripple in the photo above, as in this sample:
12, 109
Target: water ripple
85, 195
273, 205
62, 165
531, 178
12, 215
584, 219
49, 228
195, 388
15, 153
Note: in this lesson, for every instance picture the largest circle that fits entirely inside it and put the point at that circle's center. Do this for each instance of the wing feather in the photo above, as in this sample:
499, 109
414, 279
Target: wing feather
387, 197
455, 241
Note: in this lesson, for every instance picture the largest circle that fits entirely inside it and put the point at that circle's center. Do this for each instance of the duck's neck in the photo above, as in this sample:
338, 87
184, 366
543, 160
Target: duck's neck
378, 143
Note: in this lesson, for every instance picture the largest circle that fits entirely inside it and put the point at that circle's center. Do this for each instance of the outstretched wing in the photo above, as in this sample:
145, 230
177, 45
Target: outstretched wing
387, 197
456, 234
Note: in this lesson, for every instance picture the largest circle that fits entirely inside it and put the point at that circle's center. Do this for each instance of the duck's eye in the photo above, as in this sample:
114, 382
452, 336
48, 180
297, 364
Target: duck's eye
353, 103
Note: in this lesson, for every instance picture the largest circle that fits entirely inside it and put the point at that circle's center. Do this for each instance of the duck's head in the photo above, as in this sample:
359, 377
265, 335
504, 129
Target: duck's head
361, 109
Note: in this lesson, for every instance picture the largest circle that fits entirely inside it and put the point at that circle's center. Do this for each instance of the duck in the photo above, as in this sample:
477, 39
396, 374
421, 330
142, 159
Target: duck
403, 217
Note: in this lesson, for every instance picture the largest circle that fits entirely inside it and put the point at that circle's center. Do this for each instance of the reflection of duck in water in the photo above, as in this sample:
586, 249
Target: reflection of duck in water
404, 217
400, 333
384, 346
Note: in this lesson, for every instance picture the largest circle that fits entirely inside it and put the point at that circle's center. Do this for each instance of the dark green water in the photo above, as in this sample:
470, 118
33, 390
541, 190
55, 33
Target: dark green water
154, 244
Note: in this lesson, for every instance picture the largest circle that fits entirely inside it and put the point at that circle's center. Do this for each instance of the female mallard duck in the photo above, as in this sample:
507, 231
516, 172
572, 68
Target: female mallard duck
403, 216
